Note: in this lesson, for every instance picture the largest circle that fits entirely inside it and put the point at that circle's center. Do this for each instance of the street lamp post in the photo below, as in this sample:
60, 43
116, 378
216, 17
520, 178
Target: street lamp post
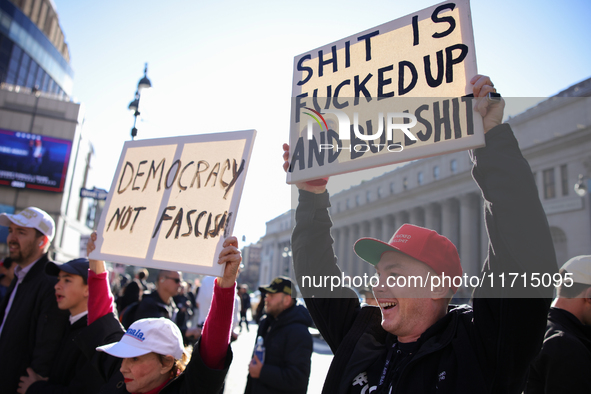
134, 106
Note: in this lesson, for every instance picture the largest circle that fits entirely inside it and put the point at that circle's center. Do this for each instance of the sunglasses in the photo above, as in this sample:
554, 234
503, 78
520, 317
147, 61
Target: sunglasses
176, 280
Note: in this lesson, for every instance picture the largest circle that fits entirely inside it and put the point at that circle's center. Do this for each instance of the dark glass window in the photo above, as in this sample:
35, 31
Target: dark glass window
32, 74
404, 183
549, 186
44, 81
420, 178
39, 78
23, 70
5, 51
436, 172
50, 86
15, 60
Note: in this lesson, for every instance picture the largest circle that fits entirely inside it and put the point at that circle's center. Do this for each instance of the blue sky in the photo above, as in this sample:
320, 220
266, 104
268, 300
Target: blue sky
228, 65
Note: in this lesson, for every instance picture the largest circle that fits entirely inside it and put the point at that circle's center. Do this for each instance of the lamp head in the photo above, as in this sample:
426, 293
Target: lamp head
144, 83
580, 187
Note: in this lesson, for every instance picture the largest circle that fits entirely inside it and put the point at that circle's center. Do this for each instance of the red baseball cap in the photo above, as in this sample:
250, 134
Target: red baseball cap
422, 244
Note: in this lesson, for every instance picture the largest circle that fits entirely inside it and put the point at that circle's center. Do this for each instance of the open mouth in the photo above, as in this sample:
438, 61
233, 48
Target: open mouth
59, 297
388, 305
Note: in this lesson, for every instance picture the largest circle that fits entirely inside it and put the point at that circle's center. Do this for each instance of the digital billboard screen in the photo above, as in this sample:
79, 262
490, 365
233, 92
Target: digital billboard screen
33, 161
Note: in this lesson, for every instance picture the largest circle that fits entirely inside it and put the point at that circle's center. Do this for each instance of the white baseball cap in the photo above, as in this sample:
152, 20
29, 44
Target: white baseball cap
33, 218
144, 336
580, 268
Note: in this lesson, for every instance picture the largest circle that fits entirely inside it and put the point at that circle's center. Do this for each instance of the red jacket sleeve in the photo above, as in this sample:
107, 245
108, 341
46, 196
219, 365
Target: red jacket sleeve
217, 328
100, 299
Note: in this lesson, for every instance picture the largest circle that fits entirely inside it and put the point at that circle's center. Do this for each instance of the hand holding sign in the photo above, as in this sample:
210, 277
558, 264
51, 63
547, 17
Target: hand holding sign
317, 186
96, 266
230, 256
490, 110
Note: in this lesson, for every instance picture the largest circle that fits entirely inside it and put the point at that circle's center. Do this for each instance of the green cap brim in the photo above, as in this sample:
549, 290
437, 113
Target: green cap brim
371, 249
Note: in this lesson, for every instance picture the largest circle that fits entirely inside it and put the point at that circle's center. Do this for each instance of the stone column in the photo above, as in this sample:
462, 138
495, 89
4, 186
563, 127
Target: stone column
275, 266
401, 218
432, 217
414, 216
375, 226
386, 233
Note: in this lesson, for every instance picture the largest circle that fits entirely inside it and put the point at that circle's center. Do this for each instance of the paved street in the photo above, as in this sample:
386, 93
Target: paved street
242, 347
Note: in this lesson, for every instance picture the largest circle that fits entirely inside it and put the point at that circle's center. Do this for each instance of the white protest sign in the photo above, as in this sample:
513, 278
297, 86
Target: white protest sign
390, 94
173, 201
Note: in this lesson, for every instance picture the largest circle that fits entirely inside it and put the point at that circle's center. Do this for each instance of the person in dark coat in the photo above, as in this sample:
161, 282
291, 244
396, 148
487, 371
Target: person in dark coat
287, 341
31, 324
142, 279
244, 306
72, 370
414, 342
564, 363
260, 309
185, 310
131, 293
160, 302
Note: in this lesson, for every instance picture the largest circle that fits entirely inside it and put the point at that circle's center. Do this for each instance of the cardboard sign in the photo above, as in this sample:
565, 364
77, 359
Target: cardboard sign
389, 94
173, 201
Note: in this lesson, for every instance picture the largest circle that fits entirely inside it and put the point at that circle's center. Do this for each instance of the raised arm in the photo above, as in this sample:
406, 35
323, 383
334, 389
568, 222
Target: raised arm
217, 328
100, 298
509, 318
333, 310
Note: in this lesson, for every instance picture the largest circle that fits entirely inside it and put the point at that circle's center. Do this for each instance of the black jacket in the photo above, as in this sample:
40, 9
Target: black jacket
33, 329
484, 349
152, 305
288, 348
564, 364
73, 370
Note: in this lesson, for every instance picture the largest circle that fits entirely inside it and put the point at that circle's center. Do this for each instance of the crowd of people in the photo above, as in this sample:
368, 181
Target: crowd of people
67, 328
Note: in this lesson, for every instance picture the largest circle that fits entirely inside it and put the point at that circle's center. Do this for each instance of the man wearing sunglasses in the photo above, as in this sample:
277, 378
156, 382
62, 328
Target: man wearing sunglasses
159, 303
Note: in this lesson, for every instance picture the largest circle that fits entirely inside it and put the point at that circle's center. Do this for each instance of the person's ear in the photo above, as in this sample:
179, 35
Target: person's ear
287, 300
167, 364
43, 241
